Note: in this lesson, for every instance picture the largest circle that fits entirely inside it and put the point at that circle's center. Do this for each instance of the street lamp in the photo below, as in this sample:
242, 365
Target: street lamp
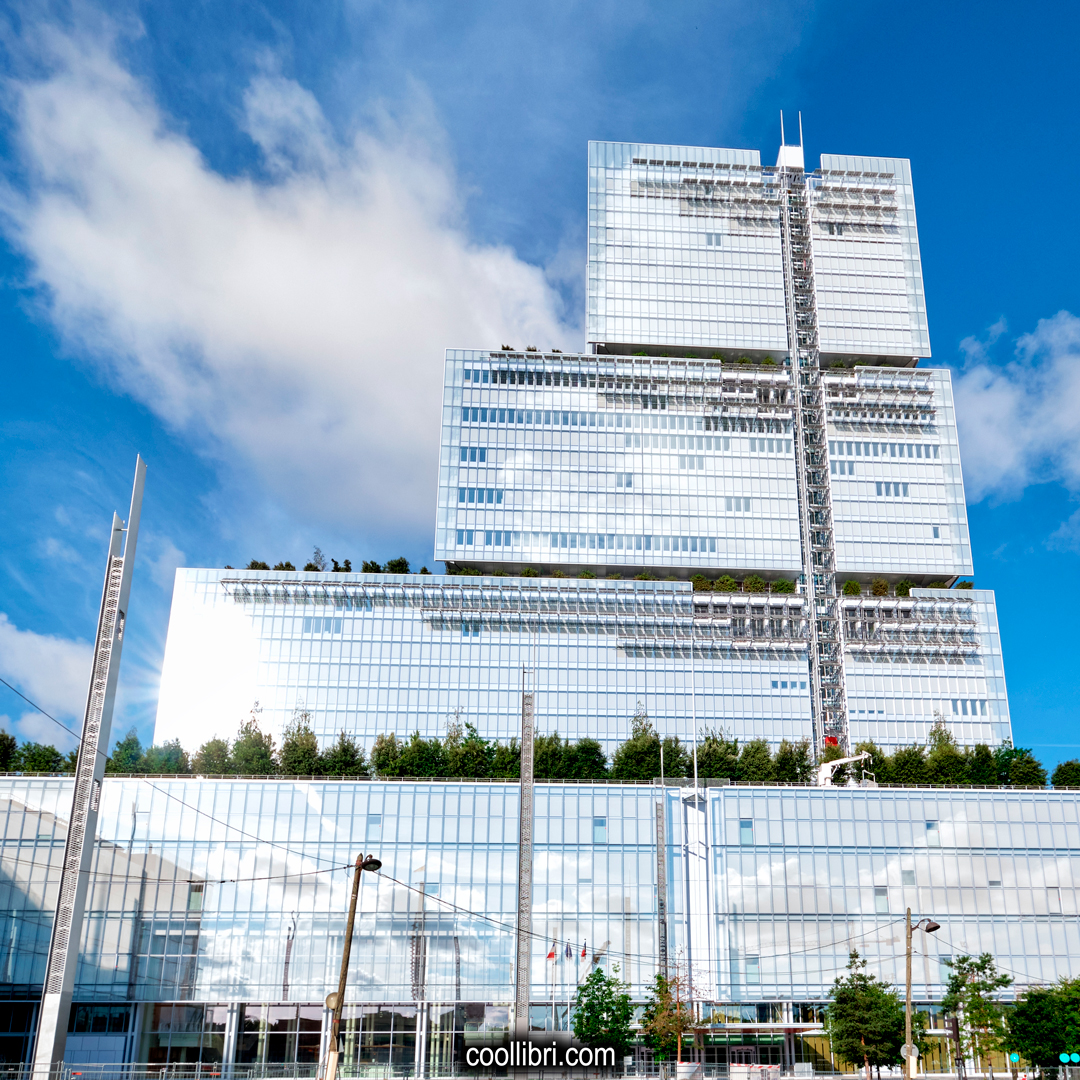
928, 926
335, 1001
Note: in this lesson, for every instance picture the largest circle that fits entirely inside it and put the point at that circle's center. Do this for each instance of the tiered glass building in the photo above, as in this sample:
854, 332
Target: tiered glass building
750, 410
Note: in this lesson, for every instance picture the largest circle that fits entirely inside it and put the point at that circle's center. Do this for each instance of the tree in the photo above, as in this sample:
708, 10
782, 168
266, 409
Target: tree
39, 757
507, 762
793, 764
879, 587
344, 757
468, 754
127, 755
603, 1013
718, 756
840, 773
253, 751
945, 763
981, 766
169, 757
904, 587
212, 758
701, 583
754, 583
1018, 768
299, 755
9, 747
783, 585
666, 1017
422, 757
865, 1019
1045, 1022
726, 583
386, 755
255, 564
880, 763
284, 566
317, 563
909, 766
548, 757
399, 565
756, 765
852, 588
1067, 773
370, 567
585, 760
970, 996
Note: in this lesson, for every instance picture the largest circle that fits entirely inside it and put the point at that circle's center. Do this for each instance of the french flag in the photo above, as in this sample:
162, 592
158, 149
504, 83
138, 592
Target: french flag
551, 952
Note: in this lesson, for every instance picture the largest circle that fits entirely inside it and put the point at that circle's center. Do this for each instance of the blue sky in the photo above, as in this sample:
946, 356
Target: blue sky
236, 239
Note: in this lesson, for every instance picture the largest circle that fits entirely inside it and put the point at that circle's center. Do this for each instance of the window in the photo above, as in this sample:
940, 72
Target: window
933, 837
470, 627
881, 900
195, 896
374, 827
937, 533
746, 832
753, 970
907, 877
737, 504
1053, 901
624, 479
474, 453
599, 830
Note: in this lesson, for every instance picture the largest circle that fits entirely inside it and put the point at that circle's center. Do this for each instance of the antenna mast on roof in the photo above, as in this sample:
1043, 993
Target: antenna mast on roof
800, 127
782, 127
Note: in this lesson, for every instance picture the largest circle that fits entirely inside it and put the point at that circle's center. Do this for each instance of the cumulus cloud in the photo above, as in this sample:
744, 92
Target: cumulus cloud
53, 672
1019, 422
295, 320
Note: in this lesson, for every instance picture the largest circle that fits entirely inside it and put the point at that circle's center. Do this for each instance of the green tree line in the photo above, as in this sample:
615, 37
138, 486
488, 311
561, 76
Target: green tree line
464, 753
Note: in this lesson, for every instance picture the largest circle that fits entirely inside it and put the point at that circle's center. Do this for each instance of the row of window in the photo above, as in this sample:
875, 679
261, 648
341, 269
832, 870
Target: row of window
789, 684
968, 707
894, 489
474, 414
589, 541
529, 378
874, 449
480, 495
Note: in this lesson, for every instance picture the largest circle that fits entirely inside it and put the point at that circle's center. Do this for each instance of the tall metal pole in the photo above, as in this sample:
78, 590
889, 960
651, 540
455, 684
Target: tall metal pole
907, 1000
339, 998
523, 957
63, 953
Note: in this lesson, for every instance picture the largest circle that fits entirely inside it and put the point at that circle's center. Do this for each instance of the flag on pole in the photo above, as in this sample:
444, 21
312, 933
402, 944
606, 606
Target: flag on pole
584, 949
551, 952
569, 951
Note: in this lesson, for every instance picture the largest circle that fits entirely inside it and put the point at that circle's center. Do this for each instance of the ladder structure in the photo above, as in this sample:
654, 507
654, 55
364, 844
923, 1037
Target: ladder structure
826, 647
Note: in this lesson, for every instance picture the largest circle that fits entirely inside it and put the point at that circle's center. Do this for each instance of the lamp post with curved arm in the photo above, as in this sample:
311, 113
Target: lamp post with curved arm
928, 926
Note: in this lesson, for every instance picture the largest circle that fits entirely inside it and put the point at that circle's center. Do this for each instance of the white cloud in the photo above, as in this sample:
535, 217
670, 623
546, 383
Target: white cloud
1019, 422
161, 557
297, 323
53, 672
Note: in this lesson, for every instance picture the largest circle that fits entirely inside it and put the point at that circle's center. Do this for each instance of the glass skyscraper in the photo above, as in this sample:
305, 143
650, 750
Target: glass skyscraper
741, 509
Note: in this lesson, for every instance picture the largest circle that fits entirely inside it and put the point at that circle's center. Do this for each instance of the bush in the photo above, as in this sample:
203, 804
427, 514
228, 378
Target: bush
903, 588
284, 566
964, 585
586, 574
725, 583
397, 566
879, 587
783, 585
754, 584
1067, 774
701, 583
852, 588
530, 571
645, 576
937, 585
256, 565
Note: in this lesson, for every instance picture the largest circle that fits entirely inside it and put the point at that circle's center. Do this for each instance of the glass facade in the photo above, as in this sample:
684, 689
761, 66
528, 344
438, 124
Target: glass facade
768, 889
685, 251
